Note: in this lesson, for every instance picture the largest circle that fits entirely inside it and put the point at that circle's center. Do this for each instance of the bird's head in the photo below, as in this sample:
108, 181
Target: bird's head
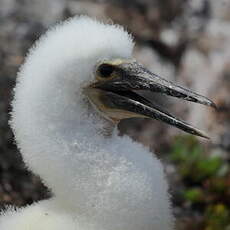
114, 93
83, 57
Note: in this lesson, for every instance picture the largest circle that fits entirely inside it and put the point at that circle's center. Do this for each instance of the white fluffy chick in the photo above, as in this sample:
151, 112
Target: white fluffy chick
77, 81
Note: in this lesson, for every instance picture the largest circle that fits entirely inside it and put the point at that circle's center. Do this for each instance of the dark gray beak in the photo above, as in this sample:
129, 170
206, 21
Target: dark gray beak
117, 93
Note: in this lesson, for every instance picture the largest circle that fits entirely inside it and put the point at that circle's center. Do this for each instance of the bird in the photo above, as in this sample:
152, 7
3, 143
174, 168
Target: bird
76, 84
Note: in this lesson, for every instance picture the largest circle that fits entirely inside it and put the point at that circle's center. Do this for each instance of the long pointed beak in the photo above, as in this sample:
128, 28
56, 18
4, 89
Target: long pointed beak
117, 94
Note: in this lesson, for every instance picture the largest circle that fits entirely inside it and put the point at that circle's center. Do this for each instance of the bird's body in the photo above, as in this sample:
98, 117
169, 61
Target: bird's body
121, 198
43, 215
98, 181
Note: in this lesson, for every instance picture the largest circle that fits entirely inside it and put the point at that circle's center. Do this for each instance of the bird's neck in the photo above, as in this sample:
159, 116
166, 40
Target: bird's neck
63, 144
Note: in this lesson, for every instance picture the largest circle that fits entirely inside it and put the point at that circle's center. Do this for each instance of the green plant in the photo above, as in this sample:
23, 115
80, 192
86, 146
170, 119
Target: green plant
206, 179
192, 163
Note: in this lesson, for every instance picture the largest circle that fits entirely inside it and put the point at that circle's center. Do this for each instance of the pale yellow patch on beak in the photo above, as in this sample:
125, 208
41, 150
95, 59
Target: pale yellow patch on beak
98, 101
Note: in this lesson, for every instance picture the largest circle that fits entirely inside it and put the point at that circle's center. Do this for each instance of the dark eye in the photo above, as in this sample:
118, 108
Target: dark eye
105, 70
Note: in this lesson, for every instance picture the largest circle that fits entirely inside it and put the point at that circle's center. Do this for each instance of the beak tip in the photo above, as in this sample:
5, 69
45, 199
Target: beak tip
213, 105
201, 134
206, 137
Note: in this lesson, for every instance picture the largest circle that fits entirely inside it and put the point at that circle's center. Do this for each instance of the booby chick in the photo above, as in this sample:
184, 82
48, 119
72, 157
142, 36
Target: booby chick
77, 80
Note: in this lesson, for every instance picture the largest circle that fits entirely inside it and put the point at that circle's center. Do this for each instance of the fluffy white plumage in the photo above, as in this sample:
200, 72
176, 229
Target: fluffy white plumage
101, 183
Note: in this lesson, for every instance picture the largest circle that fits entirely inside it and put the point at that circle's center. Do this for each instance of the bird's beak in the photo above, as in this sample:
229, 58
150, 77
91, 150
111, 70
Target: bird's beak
115, 98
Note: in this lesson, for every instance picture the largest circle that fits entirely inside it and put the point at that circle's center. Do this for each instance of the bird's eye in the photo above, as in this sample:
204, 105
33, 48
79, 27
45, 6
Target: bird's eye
105, 70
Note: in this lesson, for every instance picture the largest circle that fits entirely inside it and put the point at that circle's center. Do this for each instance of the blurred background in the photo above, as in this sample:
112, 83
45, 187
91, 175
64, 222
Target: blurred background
186, 41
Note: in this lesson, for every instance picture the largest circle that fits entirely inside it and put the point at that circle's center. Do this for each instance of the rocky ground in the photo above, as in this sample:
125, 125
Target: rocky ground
184, 41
